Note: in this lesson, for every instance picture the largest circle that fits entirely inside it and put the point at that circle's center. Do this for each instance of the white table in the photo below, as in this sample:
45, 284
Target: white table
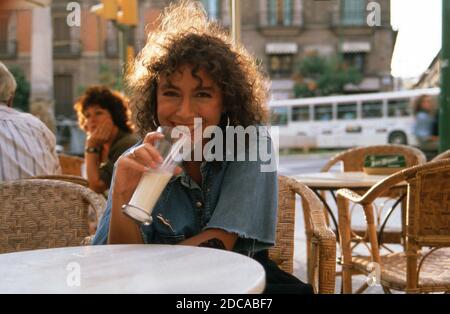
339, 180
130, 269
332, 181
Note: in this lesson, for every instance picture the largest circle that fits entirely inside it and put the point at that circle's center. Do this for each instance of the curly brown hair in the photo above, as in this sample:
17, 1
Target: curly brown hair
113, 101
186, 37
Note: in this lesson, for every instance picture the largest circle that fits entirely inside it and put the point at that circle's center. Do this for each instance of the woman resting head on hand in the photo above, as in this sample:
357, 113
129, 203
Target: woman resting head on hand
103, 114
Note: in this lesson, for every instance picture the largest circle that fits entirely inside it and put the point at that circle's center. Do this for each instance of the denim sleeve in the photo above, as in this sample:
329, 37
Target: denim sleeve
247, 204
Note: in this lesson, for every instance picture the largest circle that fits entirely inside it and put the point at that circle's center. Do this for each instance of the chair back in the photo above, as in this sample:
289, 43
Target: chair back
428, 216
67, 178
41, 214
70, 165
429, 204
353, 159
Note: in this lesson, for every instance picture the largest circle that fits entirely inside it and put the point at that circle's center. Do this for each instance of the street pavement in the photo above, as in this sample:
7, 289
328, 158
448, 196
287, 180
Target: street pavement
309, 163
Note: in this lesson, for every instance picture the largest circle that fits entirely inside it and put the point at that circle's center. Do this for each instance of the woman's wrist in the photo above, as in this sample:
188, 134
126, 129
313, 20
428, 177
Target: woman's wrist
92, 150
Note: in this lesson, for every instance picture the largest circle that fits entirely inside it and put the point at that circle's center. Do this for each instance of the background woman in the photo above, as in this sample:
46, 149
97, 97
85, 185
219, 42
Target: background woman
104, 116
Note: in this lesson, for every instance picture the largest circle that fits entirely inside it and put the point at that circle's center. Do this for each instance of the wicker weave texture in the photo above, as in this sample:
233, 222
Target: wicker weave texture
434, 274
283, 251
39, 214
432, 197
321, 241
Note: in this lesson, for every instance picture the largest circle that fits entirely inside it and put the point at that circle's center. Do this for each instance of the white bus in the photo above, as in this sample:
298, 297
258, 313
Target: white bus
348, 120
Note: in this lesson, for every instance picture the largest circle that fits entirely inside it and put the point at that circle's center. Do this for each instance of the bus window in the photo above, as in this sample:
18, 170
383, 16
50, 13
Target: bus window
279, 116
323, 112
372, 109
399, 108
346, 111
300, 114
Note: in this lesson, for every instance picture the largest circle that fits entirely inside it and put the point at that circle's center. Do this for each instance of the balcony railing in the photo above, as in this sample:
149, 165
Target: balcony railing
69, 49
8, 49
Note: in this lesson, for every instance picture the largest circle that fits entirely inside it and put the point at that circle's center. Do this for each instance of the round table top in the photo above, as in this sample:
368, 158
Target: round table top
339, 180
130, 269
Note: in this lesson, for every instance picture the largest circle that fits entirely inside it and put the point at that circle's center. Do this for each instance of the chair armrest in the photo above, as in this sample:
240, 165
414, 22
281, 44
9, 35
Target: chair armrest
375, 191
350, 195
324, 247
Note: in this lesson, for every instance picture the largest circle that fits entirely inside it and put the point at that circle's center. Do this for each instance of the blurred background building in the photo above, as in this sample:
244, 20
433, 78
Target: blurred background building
280, 33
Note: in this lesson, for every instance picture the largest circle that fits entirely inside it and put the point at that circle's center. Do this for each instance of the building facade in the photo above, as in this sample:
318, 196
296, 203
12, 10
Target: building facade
432, 76
278, 32
282, 32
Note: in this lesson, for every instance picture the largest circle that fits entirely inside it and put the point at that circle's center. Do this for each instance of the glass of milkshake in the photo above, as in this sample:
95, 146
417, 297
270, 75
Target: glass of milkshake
176, 144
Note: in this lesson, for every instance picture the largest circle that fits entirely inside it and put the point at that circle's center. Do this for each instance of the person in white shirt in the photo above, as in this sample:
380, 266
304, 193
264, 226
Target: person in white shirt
27, 146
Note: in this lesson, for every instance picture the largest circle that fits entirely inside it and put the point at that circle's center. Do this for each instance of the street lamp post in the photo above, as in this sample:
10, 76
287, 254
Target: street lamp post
444, 110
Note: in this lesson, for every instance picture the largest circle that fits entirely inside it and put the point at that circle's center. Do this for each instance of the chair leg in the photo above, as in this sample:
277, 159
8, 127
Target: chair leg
345, 239
362, 288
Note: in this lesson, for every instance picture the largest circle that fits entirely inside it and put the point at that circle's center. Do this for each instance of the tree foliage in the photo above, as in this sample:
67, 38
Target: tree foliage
321, 76
22, 96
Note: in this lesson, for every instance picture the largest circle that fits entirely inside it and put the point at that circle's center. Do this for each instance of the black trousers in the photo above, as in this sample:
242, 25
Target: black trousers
279, 281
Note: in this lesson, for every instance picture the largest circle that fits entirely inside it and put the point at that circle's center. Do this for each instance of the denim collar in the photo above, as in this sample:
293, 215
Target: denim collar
188, 182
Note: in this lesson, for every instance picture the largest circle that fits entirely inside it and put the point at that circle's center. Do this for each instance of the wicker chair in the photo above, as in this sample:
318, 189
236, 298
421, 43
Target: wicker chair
70, 165
353, 160
321, 273
428, 226
441, 156
67, 178
94, 215
39, 214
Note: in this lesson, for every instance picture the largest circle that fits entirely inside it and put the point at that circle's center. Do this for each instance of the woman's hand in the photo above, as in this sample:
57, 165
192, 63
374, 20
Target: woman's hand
132, 165
101, 135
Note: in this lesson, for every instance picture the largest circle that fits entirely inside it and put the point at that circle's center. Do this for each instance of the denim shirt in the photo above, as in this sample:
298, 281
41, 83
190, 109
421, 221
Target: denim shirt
235, 196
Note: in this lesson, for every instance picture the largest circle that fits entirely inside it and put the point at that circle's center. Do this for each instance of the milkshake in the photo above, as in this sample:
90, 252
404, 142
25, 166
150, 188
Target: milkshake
147, 194
154, 181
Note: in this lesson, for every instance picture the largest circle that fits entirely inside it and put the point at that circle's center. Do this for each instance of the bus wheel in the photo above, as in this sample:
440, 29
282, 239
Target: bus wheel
398, 137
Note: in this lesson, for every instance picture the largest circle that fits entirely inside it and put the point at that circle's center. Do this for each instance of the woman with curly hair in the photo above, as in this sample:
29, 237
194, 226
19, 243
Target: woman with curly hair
189, 70
104, 116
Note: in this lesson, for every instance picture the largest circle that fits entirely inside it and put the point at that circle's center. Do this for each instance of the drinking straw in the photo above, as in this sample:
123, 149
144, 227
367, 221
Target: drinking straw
173, 151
